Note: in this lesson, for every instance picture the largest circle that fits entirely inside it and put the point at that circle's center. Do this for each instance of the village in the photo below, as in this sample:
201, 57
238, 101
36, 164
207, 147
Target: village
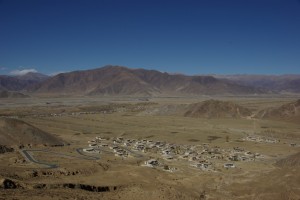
260, 139
166, 156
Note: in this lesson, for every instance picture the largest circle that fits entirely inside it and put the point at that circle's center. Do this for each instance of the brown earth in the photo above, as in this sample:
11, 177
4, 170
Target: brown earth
4, 149
290, 161
112, 177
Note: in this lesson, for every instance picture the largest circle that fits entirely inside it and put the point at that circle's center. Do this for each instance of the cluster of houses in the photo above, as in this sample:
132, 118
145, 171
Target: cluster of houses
99, 145
117, 108
260, 139
64, 114
202, 156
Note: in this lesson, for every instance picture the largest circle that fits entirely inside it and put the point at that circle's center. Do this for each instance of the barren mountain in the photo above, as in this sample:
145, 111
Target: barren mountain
279, 83
17, 132
116, 80
12, 83
106, 80
182, 84
289, 111
216, 109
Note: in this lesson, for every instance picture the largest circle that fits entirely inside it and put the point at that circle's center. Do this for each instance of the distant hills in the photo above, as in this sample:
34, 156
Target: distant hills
289, 111
279, 84
117, 80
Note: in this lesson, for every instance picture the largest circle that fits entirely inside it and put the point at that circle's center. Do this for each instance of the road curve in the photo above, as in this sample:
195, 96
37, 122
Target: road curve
30, 158
26, 154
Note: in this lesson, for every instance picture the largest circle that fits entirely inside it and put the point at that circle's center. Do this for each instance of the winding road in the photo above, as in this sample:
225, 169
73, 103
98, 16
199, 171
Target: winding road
30, 158
26, 154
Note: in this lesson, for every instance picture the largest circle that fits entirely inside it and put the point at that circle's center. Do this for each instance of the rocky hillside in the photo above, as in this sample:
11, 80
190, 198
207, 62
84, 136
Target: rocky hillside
289, 111
217, 109
17, 132
290, 161
4, 149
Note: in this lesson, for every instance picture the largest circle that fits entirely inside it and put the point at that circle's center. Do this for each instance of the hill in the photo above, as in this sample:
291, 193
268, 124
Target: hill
216, 109
116, 80
290, 161
289, 111
17, 132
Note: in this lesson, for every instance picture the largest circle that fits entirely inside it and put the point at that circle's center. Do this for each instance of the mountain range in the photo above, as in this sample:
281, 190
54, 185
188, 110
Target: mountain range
118, 80
280, 83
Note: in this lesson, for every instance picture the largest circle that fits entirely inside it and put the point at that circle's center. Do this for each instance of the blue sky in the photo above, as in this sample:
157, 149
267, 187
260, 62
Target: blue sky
188, 36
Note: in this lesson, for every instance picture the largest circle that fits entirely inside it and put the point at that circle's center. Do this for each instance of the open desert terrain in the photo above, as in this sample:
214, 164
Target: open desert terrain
201, 147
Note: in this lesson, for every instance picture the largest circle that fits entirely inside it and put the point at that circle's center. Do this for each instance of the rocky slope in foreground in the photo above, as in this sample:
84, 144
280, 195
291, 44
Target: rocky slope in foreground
17, 132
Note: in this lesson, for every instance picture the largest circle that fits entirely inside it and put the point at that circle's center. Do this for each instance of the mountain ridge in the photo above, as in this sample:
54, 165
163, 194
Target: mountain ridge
118, 80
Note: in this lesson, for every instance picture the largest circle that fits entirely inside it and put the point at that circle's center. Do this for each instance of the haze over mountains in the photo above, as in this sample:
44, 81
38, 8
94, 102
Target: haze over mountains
117, 80
19, 83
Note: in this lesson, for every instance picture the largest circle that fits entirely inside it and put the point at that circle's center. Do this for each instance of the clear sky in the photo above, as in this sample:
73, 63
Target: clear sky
187, 36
